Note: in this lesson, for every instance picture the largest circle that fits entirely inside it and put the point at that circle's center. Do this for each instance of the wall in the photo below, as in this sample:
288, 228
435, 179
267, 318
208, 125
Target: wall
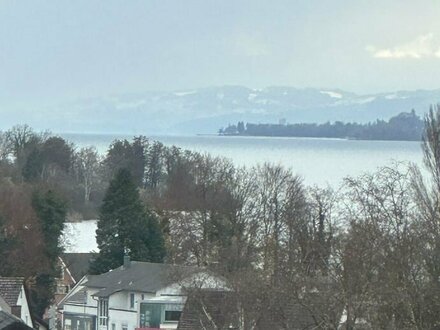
25, 312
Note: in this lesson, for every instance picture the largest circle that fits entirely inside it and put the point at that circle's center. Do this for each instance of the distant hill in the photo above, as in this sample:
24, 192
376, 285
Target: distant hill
406, 126
205, 110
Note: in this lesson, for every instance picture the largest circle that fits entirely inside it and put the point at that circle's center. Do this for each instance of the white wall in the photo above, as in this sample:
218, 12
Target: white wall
120, 312
119, 318
25, 312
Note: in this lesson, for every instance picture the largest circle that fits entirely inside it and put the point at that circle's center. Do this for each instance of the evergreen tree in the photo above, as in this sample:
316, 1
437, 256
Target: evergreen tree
125, 225
51, 211
7, 243
33, 166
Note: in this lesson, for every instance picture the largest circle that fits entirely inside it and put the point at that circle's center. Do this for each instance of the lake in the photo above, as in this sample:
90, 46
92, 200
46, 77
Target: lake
318, 161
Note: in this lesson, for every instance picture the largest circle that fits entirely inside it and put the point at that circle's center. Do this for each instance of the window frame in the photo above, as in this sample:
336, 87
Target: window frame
171, 321
171, 308
103, 312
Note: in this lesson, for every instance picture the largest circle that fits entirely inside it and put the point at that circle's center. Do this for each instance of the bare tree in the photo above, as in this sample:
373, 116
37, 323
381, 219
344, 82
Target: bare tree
427, 198
20, 136
383, 275
87, 165
431, 144
5, 146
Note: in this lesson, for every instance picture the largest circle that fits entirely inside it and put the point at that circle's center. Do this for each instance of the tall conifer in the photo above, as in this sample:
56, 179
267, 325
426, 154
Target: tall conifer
126, 226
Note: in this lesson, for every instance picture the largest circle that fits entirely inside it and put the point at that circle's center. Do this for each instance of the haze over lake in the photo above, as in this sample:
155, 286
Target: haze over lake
318, 161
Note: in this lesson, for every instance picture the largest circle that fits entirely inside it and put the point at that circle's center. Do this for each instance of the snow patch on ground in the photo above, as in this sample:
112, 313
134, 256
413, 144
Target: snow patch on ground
391, 97
395, 97
252, 96
185, 93
332, 94
365, 100
80, 237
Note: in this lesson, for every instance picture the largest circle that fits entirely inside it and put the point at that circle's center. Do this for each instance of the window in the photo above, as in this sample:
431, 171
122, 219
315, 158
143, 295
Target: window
124, 327
131, 300
61, 289
103, 311
172, 312
113, 326
172, 316
67, 324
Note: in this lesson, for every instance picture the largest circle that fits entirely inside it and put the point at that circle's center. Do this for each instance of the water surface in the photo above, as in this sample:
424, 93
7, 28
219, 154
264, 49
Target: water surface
318, 161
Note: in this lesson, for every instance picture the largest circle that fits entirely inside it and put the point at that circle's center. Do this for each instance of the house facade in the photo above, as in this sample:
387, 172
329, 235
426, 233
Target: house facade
137, 295
73, 266
12, 292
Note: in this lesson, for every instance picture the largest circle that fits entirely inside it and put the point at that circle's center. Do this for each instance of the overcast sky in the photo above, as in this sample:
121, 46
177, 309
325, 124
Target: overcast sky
56, 50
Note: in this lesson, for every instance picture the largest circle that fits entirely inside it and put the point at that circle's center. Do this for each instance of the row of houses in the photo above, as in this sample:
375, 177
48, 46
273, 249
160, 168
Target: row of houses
140, 295
137, 295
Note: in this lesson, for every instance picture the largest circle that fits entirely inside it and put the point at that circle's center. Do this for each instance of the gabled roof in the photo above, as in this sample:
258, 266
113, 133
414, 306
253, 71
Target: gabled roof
139, 276
77, 298
10, 288
78, 264
76, 295
11, 322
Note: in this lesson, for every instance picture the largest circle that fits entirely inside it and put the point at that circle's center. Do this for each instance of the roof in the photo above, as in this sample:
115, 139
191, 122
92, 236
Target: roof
10, 288
11, 322
139, 276
78, 297
4, 305
209, 310
78, 264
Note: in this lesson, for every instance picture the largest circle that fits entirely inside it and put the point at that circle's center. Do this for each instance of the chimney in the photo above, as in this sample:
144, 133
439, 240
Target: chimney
127, 261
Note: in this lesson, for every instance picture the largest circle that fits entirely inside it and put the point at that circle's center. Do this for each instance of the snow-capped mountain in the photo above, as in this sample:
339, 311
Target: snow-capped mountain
207, 109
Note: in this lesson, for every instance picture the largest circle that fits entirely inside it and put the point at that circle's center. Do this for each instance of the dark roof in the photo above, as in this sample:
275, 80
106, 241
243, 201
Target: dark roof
11, 322
10, 288
77, 263
209, 310
139, 276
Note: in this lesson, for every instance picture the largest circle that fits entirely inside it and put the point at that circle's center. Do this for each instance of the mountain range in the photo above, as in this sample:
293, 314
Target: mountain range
205, 110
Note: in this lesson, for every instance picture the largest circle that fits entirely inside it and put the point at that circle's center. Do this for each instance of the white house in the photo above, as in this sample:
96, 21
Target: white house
14, 295
137, 295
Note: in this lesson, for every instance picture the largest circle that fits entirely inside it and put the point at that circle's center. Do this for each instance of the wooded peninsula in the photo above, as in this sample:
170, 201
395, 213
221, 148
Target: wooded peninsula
406, 126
